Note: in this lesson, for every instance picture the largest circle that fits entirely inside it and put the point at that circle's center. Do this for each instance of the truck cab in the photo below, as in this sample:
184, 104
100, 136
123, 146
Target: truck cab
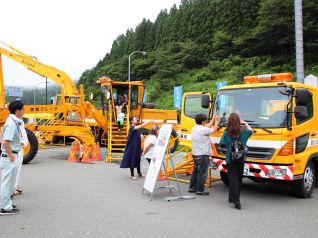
284, 120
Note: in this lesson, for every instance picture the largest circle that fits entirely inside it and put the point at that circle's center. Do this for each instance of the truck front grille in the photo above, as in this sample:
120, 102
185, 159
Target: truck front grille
255, 153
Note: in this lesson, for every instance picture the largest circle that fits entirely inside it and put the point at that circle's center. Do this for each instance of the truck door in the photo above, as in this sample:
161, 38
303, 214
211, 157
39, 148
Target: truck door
191, 106
306, 130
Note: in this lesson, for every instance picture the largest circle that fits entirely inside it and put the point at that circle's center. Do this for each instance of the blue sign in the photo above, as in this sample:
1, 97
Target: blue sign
144, 100
177, 97
220, 84
222, 100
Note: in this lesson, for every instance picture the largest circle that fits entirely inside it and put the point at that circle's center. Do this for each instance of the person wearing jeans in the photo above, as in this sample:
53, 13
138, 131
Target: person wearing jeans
235, 168
10, 146
201, 150
199, 174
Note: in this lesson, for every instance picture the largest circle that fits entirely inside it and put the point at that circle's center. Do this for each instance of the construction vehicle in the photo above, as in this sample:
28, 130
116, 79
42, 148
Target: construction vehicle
284, 117
66, 116
111, 91
71, 116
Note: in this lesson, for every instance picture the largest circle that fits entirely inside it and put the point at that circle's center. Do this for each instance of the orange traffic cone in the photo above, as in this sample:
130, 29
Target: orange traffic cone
96, 154
72, 155
161, 176
86, 158
99, 152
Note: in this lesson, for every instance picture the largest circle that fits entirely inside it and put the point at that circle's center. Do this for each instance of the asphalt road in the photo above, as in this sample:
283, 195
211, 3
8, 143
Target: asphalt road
62, 199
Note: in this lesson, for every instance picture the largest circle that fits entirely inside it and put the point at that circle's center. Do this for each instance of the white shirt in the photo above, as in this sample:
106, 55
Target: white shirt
24, 139
200, 137
150, 139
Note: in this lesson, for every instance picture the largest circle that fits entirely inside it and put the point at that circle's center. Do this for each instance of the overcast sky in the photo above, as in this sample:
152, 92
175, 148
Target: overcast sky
69, 35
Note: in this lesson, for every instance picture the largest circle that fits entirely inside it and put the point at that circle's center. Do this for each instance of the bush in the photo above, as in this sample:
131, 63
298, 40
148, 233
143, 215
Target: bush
202, 76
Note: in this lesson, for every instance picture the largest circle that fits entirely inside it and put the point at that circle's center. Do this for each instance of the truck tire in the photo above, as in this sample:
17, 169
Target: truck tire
224, 178
304, 187
174, 145
144, 131
32, 148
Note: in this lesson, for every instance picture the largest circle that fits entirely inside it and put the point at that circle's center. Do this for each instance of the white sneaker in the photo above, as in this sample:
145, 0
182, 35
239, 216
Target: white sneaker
133, 178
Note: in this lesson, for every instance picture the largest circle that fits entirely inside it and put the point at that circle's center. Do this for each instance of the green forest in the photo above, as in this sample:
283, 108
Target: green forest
200, 42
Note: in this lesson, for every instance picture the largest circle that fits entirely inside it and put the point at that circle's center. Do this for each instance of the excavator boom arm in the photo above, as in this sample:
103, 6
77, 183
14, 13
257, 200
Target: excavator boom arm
58, 76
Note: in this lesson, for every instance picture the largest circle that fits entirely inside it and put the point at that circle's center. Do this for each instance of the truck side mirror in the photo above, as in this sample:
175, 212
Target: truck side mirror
205, 101
285, 91
300, 112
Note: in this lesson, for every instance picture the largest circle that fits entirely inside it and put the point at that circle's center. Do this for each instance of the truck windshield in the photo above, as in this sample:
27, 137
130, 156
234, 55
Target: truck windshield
260, 107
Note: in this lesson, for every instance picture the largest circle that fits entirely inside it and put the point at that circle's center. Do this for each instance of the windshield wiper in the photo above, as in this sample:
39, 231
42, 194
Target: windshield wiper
253, 123
265, 129
222, 122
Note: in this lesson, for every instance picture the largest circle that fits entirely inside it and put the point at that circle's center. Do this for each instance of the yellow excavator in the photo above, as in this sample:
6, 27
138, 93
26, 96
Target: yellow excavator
64, 119
72, 117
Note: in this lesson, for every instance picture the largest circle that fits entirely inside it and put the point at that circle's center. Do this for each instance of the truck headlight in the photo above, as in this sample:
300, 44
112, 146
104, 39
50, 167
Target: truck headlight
276, 173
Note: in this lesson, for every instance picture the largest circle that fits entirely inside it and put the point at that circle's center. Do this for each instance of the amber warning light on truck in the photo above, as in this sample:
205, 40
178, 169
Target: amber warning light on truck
267, 78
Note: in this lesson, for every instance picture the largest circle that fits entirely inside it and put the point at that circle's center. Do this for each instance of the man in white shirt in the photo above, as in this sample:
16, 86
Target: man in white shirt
11, 145
201, 150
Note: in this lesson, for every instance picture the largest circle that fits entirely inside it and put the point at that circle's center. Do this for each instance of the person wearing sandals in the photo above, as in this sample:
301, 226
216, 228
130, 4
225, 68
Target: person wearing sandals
132, 153
150, 143
24, 143
235, 168
10, 146
201, 151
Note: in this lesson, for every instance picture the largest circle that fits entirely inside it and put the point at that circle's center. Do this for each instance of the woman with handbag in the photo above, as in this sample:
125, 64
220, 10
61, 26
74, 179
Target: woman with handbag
235, 167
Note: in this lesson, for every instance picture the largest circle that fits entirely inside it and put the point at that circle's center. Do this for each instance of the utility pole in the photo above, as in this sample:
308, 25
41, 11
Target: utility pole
141, 52
299, 40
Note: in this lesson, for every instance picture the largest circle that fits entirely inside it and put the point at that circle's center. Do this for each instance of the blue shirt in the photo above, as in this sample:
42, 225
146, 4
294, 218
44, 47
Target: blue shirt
226, 140
11, 132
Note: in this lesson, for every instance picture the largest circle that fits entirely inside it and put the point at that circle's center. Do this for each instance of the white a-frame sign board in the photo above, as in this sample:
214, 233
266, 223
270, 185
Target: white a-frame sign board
156, 163
158, 155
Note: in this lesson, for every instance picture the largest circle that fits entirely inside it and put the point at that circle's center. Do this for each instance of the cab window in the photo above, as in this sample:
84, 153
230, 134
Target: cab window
192, 106
309, 105
134, 97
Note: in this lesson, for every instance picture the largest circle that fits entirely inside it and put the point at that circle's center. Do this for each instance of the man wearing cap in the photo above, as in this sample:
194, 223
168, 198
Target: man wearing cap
10, 146
201, 150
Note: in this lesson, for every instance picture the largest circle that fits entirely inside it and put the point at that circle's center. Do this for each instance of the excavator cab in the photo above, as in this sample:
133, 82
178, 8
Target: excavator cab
75, 100
129, 95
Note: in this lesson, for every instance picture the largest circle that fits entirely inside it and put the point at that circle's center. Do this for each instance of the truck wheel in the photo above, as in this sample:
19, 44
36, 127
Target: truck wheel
303, 188
144, 131
224, 178
32, 149
173, 145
